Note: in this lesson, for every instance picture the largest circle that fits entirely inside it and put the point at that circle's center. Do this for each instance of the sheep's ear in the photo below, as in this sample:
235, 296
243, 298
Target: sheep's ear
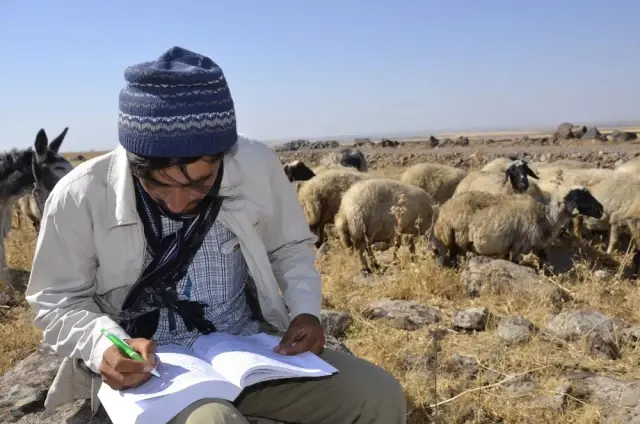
530, 172
507, 174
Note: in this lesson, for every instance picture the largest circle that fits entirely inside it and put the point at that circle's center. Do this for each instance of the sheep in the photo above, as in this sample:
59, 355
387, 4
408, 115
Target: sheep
493, 182
382, 210
298, 171
563, 163
450, 235
440, 181
320, 197
516, 225
499, 165
621, 200
553, 179
631, 166
348, 157
28, 208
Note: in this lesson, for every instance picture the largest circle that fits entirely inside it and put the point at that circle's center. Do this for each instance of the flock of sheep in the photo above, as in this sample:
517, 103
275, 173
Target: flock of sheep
505, 210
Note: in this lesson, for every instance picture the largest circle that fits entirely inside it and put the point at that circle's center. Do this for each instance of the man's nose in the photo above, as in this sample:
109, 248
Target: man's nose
177, 201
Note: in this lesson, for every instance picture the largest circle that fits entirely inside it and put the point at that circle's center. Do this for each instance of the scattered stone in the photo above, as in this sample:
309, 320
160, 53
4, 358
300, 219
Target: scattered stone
602, 348
483, 275
515, 329
519, 385
631, 335
578, 131
467, 364
622, 136
335, 323
564, 131
404, 314
433, 142
617, 400
573, 325
472, 319
592, 133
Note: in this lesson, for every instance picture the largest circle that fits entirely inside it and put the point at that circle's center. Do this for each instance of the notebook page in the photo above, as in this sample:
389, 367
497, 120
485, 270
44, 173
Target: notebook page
184, 378
246, 360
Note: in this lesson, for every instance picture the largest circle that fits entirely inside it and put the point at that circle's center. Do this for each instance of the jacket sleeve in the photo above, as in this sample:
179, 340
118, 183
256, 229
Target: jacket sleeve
289, 243
62, 284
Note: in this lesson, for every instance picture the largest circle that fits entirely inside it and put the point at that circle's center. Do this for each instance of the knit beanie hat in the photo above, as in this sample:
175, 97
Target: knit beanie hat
176, 106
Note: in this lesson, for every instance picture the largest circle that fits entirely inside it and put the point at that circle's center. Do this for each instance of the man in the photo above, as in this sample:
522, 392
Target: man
183, 229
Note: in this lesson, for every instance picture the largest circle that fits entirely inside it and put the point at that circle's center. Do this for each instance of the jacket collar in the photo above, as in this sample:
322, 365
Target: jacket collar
121, 199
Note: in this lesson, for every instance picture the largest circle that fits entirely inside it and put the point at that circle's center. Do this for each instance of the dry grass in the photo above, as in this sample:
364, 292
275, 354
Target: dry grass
424, 281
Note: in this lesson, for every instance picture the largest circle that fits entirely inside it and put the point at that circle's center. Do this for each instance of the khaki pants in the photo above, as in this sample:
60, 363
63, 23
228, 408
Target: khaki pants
360, 393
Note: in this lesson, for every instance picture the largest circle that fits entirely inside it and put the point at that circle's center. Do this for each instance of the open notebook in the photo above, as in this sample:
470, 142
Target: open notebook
218, 366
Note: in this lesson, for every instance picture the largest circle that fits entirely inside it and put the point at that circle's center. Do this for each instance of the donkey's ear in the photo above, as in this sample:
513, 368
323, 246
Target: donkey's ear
41, 144
55, 144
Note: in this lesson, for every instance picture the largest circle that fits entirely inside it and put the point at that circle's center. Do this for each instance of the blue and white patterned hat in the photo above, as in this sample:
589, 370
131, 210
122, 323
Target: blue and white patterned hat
176, 106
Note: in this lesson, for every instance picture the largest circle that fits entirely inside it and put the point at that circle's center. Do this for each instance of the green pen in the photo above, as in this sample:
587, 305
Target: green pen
126, 349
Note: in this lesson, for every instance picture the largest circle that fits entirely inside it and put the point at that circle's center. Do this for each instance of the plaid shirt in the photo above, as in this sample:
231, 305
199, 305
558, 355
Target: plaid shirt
217, 276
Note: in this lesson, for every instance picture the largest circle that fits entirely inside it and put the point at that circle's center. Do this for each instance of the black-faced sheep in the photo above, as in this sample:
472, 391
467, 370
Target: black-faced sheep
518, 224
439, 180
298, 171
382, 210
321, 196
494, 182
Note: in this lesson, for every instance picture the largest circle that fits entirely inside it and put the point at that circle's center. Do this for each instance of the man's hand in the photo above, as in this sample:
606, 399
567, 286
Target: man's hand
305, 333
121, 372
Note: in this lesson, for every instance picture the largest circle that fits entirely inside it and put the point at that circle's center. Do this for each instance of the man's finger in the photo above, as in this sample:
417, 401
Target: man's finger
299, 346
318, 347
146, 348
113, 379
287, 340
126, 365
135, 379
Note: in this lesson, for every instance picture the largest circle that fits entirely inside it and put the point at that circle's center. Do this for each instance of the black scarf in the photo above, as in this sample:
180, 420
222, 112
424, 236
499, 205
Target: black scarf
171, 257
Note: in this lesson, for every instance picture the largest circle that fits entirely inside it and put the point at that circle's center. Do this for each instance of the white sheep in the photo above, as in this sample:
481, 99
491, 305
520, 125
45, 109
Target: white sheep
563, 163
439, 180
27, 208
514, 225
620, 197
519, 225
320, 197
382, 210
450, 231
631, 166
494, 182
498, 165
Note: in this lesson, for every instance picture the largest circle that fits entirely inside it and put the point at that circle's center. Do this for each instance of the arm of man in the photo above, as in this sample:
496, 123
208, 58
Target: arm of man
62, 282
289, 243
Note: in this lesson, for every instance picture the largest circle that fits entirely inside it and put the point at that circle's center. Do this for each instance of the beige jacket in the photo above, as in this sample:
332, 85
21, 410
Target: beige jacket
91, 245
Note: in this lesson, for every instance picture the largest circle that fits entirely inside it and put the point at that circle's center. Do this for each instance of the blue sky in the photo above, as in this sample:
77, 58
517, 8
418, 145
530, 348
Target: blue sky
327, 68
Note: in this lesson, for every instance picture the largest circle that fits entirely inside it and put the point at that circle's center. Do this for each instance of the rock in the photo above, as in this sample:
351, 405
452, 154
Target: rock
483, 275
618, 400
335, 322
564, 131
515, 329
623, 136
592, 133
433, 142
405, 314
519, 385
573, 325
23, 388
473, 319
578, 131
462, 141
467, 364
631, 335
601, 275
605, 349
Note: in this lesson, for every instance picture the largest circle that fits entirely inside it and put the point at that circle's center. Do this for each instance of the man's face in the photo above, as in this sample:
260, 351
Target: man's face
179, 193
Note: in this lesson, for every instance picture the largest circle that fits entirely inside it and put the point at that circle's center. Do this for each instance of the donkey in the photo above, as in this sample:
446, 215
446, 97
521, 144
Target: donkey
34, 170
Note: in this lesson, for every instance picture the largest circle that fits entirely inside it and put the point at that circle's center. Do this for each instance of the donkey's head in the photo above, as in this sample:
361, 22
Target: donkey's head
48, 165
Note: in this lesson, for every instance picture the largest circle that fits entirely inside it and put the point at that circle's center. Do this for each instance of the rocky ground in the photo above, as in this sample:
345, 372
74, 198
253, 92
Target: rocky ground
493, 342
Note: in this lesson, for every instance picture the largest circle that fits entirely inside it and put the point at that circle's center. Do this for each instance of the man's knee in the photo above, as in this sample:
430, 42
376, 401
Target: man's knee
375, 386
206, 411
